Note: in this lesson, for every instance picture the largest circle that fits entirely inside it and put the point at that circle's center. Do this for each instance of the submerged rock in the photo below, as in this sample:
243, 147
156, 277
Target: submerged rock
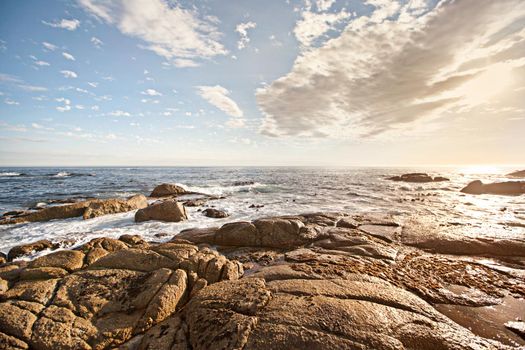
165, 190
501, 188
418, 177
168, 210
215, 213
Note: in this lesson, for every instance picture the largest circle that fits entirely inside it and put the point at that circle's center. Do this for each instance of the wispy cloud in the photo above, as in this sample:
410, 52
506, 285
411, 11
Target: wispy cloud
151, 92
49, 46
19, 83
96, 42
242, 29
218, 96
68, 74
166, 29
11, 102
69, 24
68, 56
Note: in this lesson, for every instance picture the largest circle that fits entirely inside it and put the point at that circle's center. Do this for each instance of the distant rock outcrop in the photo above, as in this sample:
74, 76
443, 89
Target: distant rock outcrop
114, 206
518, 173
169, 210
418, 177
511, 188
165, 190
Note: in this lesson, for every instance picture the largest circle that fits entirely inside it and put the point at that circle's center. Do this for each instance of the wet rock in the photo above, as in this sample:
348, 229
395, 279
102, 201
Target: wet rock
256, 206
195, 202
215, 213
418, 177
113, 206
164, 190
517, 173
26, 249
3, 258
501, 188
169, 210
243, 183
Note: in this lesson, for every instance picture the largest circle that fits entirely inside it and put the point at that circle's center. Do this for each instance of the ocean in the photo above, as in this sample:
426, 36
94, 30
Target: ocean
273, 190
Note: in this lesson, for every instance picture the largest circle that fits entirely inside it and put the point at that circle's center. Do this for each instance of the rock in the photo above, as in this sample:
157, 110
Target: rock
3, 258
133, 259
132, 240
42, 273
243, 183
256, 206
113, 206
168, 190
418, 177
319, 314
518, 173
26, 249
169, 210
87, 209
195, 202
215, 213
69, 260
517, 327
501, 188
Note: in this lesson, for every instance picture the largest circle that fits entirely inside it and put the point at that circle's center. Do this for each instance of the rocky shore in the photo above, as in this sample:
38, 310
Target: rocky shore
318, 281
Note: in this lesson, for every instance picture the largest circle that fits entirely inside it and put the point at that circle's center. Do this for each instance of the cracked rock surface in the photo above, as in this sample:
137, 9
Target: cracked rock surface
315, 281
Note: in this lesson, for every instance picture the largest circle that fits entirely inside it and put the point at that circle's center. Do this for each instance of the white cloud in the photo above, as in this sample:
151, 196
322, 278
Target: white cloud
166, 28
236, 123
69, 24
21, 84
42, 63
68, 74
184, 63
95, 108
151, 92
68, 56
66, 104
49, 46
92, 84
8, 101
242, 29
119, 113
398, 67
324, 5
313, 25
96, 42
218, 96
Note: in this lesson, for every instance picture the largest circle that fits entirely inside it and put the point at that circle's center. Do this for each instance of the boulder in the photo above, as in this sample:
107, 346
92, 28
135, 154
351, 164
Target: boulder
169, 210
215, 213
418, 177
69, 260
113, 206
26, 249
518, 173
51, 213
168, 190
499, 188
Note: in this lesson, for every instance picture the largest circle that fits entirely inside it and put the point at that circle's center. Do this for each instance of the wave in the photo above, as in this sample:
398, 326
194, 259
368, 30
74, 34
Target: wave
63, 174
219, 190
10, 174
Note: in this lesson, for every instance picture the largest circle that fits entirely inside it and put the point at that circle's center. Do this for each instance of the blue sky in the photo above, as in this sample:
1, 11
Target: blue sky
376, 82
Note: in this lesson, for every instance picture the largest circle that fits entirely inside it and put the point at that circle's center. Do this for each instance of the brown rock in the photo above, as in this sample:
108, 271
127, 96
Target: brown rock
134, 259
26, 249
168, 190
8, 342
418, 177
169, 210
501, 188
42, 273
113, 206
38, 291
517, 173
66, 259
215, 213
15, 321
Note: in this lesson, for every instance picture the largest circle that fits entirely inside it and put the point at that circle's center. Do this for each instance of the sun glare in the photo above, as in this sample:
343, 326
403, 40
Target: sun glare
492, 82
481, 169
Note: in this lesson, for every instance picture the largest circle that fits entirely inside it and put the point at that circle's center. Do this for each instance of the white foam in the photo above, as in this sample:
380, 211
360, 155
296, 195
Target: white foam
10, 174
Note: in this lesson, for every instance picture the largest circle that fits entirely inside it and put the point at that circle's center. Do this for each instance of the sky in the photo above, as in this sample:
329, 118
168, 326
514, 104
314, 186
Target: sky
262, 82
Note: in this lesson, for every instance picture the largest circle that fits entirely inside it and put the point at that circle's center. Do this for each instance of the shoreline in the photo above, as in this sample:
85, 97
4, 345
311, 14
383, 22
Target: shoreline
369, 270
